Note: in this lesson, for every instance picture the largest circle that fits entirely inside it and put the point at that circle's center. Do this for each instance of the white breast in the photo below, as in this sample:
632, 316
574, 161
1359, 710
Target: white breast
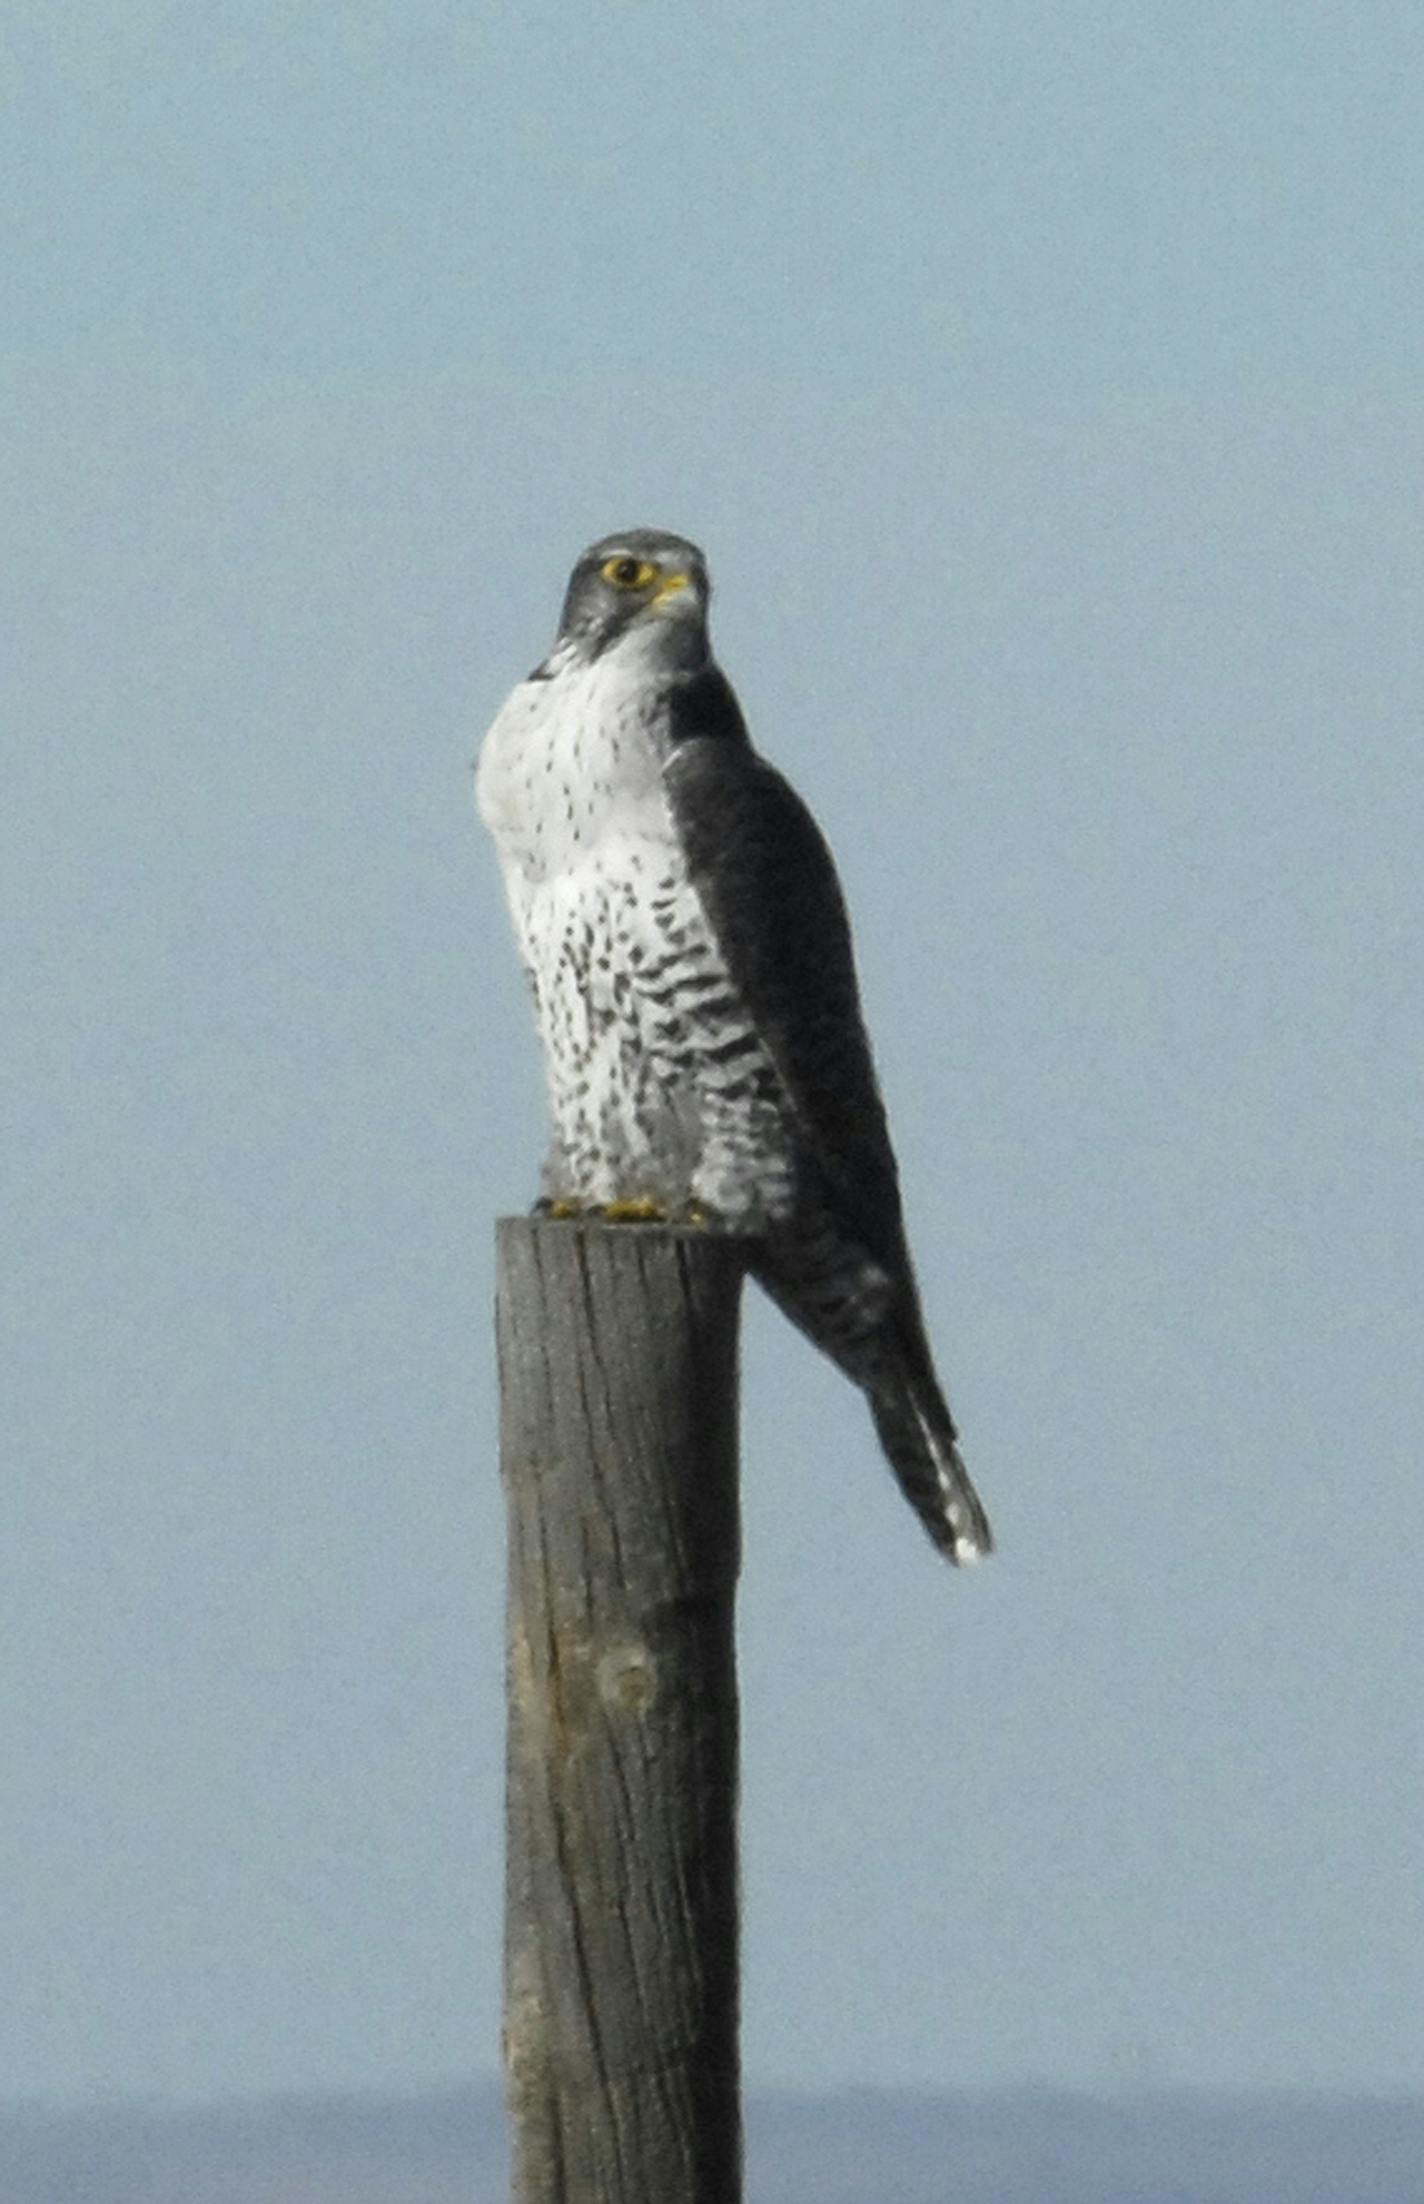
570, 760
658, 1087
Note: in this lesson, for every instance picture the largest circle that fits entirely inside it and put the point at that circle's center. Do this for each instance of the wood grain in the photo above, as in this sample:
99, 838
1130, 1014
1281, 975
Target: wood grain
618, 1377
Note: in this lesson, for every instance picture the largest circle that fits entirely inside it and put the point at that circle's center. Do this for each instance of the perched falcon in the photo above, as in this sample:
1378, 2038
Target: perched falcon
683, 932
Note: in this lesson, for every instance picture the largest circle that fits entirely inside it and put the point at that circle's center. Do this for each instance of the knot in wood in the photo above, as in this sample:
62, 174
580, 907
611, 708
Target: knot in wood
627, 1678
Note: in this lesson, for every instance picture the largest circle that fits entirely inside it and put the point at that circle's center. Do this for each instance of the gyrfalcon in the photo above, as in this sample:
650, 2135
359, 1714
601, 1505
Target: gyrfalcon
683, 932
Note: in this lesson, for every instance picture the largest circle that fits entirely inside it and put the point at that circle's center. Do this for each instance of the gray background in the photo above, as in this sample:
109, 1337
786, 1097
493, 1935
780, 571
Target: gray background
1043, 385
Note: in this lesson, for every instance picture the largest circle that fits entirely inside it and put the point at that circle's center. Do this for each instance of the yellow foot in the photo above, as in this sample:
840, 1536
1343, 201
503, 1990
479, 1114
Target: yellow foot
634, 1212
561, 1209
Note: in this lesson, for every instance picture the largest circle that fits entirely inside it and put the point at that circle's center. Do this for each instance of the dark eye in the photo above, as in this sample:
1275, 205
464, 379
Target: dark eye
626, 573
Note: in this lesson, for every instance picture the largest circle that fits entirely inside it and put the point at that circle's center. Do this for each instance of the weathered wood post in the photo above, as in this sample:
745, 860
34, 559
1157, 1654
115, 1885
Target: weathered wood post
618, 1379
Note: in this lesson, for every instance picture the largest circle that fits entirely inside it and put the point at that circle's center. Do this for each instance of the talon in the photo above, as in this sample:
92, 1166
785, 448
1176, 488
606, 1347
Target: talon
563, 1210
635, 1211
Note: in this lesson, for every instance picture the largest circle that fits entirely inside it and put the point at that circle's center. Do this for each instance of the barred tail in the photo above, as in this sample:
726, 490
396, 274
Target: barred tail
868, 1321
921, 1444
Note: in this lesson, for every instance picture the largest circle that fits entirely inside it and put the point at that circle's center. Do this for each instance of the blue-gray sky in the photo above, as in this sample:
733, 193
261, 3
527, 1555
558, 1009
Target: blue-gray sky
1044, 386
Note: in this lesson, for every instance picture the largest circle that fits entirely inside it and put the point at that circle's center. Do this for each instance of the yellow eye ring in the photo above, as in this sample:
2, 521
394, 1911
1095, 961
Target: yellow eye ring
626, 573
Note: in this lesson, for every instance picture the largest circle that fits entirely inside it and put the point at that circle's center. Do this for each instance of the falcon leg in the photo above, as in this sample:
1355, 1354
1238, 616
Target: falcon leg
555, 1200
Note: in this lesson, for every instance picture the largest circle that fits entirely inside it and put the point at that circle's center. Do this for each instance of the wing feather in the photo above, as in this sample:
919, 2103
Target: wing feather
768, 885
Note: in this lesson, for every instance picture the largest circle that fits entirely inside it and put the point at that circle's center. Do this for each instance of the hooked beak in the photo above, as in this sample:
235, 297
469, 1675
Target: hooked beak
671, 586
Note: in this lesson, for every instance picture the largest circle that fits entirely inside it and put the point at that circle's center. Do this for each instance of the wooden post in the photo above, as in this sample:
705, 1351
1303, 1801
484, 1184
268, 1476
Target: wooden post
618, 1380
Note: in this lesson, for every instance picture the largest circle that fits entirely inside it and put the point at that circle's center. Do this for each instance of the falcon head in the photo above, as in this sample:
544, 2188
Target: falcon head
641, 586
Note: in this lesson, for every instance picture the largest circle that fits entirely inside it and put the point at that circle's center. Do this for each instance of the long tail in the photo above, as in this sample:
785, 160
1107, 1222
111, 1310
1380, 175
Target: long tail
921, 1444
865, 1315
